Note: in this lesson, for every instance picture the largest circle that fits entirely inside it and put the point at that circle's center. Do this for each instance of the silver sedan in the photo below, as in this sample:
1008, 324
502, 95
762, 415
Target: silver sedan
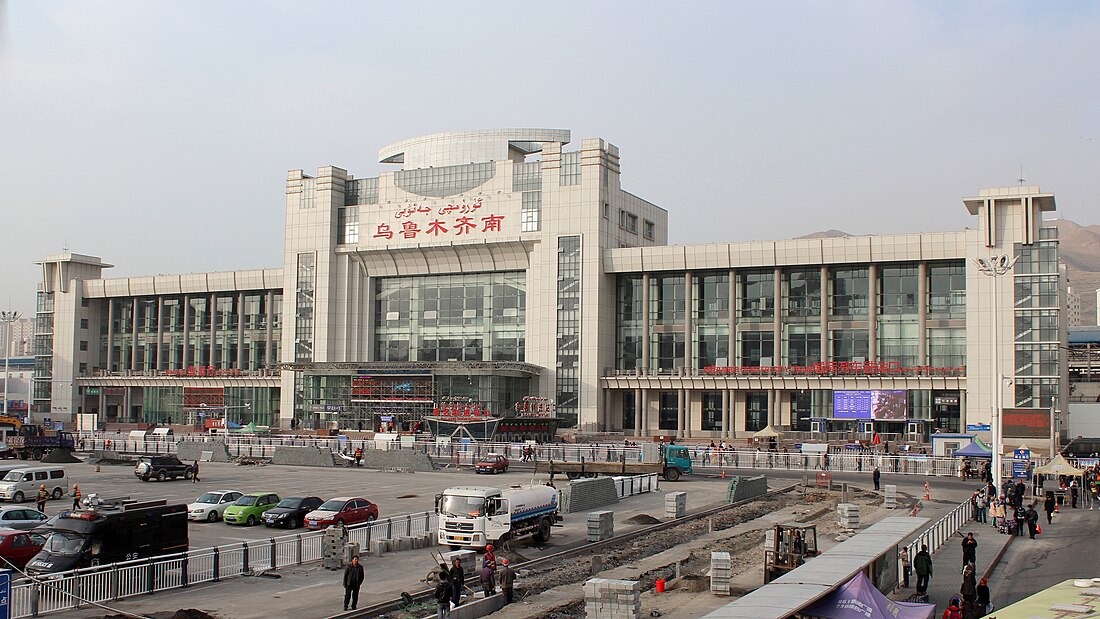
21, 518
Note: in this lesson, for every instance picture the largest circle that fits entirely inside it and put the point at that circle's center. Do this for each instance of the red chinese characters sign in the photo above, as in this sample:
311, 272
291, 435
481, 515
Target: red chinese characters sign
454, 219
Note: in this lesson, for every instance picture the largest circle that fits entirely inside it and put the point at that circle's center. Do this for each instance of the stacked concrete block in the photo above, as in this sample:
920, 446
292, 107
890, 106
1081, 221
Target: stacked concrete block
332, 547
848, 515
675, 504
467, 559
379, 547
601, 526
721, 568
587, 494
303, 456
351, 549
890, 498
189, 451
744, 488
612, 599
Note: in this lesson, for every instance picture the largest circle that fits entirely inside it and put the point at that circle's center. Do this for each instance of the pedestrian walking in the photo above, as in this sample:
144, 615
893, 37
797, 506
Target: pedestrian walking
970, 549
40, 500
1032, 521
489, 559
981, 602
1020, 516
922, 565
903, 559
353, 579
458, 577
998, 513
443, 593
507, 577
954, 609
76, 496
1073, 494
488, 581
358, 456
195, 472
1048, 506
983, 508
875, 476
969, 589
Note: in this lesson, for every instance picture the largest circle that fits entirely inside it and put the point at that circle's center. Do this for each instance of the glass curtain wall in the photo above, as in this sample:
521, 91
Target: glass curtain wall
899, 315
710, 319
667, 308
1037, 322
629, 320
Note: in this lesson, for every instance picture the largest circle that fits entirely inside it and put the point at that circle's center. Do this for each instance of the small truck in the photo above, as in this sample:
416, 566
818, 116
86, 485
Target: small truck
475, 516
674, 462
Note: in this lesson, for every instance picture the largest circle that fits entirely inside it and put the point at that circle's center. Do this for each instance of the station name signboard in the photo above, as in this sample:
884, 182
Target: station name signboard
452, 219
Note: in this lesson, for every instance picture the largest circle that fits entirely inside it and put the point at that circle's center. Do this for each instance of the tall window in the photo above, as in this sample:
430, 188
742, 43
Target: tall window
630, 411
712, 411
710, 325
303, 324
668, 303
308, 195
755, 295
530, 212
629, 322
570, 169
347, 225
756, 410
849, 292
669, 412
756, 348
803, 293
947, 289
568, 328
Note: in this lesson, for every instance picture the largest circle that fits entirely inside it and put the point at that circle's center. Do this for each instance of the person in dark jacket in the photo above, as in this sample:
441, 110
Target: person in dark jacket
970, 549
969, 589
458, 577
1020, 516
1032, 521
981, 602
353, 579
488, 581
876, 475
195, 472
1021, 490
443, 593
507, 578
1048, 506
922, 565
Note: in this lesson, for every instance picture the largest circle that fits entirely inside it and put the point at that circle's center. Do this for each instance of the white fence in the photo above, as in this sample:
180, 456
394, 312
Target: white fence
631, 485
939, 532
120, 580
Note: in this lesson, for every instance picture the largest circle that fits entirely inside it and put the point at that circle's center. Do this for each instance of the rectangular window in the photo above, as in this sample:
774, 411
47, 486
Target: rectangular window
755, 295
756, 410
712, 411
527, 176
803, 344
606, 210
667, 350
947, 348
83, 369
303, 324
83, 345
899, 340
947, 289
756, 348
849, 345
347, 225
649, 229
629, 411
629, 322
898, 290
568, 328
667, 299
849, 293
530, 211
628, 221
306, 199
361, 191
83, 323
570, 173
803, 292
669, 412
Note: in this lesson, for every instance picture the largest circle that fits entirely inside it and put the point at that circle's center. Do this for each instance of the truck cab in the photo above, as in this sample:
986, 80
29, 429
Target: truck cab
677, 461
474, 516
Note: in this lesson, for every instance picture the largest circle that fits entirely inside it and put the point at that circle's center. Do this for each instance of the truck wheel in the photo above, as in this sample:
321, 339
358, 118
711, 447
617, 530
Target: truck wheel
187, 474
36, 454
22, 455
543, 534
672, 474
572, 475
57, 494
454, 547
17, 497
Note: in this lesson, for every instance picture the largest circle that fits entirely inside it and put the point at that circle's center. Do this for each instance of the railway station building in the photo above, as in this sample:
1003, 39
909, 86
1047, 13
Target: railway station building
505, 264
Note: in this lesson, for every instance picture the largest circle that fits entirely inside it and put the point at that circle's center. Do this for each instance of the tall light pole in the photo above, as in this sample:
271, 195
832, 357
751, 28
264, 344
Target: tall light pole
994, 267
8, 318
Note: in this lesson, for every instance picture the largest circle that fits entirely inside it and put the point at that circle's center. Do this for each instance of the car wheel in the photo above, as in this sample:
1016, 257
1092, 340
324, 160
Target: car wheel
17, 497
293, 523
251, 520
161, 476
371, 518
57, 494
212, 516
188, 474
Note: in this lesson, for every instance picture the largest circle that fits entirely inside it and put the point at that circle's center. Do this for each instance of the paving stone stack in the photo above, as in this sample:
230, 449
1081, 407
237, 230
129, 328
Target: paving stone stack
189, 451
601, 526
351, 549
612, 599
467, 558
675, 504
890, 499
587, 494
743, 488
847, 515
303, 456
332, 548
721, 567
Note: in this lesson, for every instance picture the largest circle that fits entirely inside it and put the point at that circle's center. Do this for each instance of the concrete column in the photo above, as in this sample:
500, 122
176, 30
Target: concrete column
681, 413
110, 331
212, 311
922, 313
777, 323
240, 331
737, 402
732, 359
689, 306
963, 417
826, 307
872, 313
637, 412
102, 412
160, 333
186, 361
643, 427
647, 325
134, 311
269, 340
607, 426
773, 411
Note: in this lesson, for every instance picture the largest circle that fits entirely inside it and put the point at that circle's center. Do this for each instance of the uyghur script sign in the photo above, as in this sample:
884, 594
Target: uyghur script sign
437, 221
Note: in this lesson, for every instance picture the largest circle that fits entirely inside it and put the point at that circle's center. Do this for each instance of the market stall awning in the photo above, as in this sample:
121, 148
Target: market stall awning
767, 432
976, 449
1076, 598
858, 599
1058, 466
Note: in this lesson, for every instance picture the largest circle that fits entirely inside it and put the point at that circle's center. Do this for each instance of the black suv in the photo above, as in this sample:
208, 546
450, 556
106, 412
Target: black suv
162, 468
290, 512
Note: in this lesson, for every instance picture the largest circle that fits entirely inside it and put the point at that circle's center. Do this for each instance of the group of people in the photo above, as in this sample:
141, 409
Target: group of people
451, 582
44, 495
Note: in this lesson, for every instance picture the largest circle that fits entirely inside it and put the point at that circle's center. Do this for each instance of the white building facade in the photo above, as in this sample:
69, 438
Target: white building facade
503, 264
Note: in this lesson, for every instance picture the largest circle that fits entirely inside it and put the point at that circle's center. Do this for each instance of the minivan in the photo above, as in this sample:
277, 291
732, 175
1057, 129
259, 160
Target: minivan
22, 483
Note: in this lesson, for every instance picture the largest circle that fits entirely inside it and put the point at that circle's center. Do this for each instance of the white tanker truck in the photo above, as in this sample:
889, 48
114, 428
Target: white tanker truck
474, 516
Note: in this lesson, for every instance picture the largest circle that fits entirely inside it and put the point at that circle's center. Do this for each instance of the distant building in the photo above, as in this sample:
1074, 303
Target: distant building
1075, 314
22, 338
499, 265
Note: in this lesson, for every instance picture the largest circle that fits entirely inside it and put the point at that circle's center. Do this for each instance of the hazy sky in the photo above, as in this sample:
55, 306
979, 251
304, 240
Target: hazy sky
157, 135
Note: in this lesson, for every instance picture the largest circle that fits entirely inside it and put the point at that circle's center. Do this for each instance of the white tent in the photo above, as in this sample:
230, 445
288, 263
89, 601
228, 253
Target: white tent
767, 432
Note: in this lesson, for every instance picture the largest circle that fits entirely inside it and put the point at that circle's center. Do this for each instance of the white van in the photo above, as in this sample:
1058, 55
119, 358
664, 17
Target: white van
22, 483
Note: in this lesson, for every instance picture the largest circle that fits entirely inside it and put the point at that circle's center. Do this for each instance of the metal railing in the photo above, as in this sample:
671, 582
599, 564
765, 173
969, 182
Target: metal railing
937, 533
71, 590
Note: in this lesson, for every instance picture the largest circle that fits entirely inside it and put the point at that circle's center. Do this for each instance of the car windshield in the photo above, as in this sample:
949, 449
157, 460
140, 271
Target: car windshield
246, 500
290, 503
334, 505
209, 497
13, 476
454, 505
64, 543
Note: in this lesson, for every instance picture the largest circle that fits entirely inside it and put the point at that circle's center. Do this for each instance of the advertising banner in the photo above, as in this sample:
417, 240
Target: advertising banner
879, 405
1025, 423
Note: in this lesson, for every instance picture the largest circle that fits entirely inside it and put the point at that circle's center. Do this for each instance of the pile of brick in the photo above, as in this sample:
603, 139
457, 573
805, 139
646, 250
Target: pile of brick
675, 504
890, 499
612, 599
601, 526
586, 494
379, 547
721, 568
744, 488
332, 548
847, 515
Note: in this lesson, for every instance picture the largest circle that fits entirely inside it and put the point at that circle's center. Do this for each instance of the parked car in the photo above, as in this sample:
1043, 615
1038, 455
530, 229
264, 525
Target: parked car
492, 463
162, 468
17, 547
291, 511
341, 510
21, 518
212, 505
249, 508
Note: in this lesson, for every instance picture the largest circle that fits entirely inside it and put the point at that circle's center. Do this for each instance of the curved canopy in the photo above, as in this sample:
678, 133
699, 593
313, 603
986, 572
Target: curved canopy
975, 450
1058, 466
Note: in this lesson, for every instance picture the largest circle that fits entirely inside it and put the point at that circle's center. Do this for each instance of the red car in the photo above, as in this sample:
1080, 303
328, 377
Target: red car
492, 463
343, 510
18, 547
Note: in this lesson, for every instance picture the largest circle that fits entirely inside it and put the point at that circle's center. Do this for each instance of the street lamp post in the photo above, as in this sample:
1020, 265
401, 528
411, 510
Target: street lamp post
994, 267
8, 318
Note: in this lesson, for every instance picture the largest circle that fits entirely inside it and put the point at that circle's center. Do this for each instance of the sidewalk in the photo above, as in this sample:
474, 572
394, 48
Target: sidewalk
947, 562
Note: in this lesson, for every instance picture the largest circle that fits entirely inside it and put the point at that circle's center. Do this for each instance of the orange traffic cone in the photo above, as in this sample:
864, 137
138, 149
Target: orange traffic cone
927, 492
723, 473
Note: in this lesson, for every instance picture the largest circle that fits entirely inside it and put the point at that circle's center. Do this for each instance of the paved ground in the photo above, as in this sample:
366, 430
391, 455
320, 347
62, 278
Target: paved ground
947, 562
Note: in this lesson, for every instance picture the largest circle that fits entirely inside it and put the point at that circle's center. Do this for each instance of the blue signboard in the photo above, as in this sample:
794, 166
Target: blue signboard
852, 404
881, 405
977, 427
1019, 469
1021, 454
5, 594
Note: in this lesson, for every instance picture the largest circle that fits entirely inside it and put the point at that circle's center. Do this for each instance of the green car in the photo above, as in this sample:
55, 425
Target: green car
249, 508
